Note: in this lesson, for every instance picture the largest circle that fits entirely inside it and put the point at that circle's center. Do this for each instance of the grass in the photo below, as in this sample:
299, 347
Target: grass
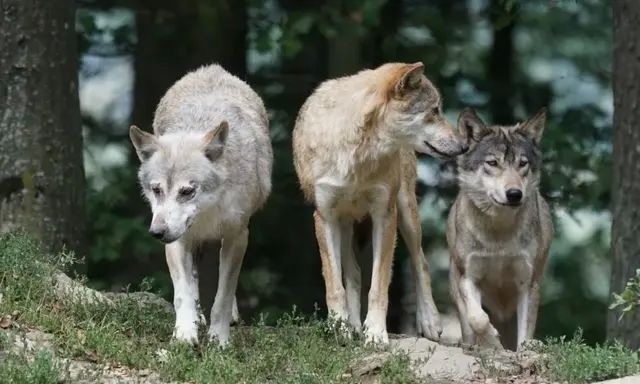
573, 361
297, 350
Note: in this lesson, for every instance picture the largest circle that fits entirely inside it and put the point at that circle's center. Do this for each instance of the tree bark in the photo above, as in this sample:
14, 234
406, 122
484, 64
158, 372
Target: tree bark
500, 68
626, 164
41, 171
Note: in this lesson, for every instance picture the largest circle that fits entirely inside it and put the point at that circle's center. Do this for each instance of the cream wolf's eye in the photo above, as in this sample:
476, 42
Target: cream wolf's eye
492, 163
523, 162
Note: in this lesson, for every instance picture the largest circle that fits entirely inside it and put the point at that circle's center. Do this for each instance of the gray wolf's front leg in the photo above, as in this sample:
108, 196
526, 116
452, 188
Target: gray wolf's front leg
231, 256
185, 291
477, 318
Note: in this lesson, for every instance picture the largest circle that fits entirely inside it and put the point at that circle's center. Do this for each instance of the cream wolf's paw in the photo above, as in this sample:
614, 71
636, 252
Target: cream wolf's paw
375, 333
428, 323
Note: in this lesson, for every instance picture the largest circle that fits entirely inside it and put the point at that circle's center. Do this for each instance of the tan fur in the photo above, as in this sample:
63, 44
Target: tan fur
353, 147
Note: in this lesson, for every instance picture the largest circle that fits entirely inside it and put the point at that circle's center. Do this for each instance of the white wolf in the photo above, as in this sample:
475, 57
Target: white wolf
205, 171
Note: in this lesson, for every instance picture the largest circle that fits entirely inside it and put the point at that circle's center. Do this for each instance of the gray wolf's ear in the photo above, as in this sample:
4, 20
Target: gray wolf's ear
410, 78
470, 126
534, 127
214, 141
144, 142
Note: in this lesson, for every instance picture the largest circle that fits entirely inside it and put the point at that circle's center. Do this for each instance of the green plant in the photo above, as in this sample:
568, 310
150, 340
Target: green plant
629, 299
575, 362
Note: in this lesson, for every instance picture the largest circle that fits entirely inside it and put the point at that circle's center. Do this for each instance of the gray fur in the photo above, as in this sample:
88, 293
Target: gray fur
498, 248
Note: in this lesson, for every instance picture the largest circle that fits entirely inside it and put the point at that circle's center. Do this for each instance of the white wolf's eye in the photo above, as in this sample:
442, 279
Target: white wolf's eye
156, 189
523, 162
186, 191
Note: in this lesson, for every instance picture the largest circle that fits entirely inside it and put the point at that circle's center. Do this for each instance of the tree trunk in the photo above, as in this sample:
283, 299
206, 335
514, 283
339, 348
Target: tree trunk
500, 67
626, 164
41, 171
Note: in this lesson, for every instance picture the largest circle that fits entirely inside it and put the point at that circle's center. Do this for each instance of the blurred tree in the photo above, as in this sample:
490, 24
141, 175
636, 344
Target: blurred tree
626, 163
41, 171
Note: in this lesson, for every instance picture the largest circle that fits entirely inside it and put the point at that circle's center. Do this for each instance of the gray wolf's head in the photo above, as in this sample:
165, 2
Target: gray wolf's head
411, 109
502, 166
180, 176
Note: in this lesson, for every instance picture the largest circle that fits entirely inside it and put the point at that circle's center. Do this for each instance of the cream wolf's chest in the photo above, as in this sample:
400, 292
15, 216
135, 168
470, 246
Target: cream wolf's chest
348, 198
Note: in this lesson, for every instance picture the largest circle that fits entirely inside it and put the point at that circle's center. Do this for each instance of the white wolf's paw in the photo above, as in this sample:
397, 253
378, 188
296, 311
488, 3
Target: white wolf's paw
235, 314
429, 324
376, 333
187, 333
219, 334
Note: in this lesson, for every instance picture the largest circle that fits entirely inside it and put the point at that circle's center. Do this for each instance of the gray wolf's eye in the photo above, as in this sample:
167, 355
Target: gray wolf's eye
523, 162
435, 110
186, 191
492, 163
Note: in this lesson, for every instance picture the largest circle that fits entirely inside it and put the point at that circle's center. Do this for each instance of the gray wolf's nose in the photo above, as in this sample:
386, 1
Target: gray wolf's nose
157, 233
514, 195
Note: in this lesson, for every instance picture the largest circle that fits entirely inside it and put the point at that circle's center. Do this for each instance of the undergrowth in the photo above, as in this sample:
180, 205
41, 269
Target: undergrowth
297, 350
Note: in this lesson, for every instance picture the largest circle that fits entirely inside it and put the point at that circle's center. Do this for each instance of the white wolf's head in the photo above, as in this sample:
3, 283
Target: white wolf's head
180, 176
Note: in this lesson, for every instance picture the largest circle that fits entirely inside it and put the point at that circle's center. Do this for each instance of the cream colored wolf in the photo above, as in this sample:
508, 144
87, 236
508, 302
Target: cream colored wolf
205, 172
354, 144
499, 232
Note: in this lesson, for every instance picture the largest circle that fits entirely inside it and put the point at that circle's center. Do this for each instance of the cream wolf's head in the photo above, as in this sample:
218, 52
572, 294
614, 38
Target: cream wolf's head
502, 166
180, 176
411, 111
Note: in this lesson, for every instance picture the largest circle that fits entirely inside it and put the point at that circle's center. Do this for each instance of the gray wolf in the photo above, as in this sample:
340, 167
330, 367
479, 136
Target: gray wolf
205, 171
353, 145
499, 231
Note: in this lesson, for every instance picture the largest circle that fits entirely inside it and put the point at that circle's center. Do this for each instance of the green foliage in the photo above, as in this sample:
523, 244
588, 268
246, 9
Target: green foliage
629, 299
15, 368
297, 349
573, 361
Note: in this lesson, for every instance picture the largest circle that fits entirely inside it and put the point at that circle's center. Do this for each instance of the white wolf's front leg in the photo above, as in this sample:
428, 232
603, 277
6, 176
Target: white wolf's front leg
185, 291
384, 239
231, 256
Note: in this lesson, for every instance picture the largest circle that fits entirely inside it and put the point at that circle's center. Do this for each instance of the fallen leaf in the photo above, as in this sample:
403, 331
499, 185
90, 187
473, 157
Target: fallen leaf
5, 322
92, 356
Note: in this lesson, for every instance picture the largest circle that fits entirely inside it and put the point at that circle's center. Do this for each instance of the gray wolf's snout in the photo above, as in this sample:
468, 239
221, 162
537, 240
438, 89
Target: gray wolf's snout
514, 195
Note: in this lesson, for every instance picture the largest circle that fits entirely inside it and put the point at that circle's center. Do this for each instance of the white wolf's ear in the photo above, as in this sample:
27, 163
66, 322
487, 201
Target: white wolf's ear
534, 127
214, 141
410, 78
144, 143
470, 126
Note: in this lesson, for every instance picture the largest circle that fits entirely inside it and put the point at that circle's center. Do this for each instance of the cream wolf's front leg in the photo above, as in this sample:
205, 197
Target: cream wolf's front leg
329, 238
427, 316
185, 290
384, 239
231, 256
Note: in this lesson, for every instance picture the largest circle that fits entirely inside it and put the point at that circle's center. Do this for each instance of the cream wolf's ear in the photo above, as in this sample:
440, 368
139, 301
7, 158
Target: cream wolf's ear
410, 78
470, 126
145, 143
214, 141
534, 127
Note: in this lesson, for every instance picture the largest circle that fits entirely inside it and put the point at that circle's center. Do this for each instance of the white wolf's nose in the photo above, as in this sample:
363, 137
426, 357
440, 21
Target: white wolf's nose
157, 233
